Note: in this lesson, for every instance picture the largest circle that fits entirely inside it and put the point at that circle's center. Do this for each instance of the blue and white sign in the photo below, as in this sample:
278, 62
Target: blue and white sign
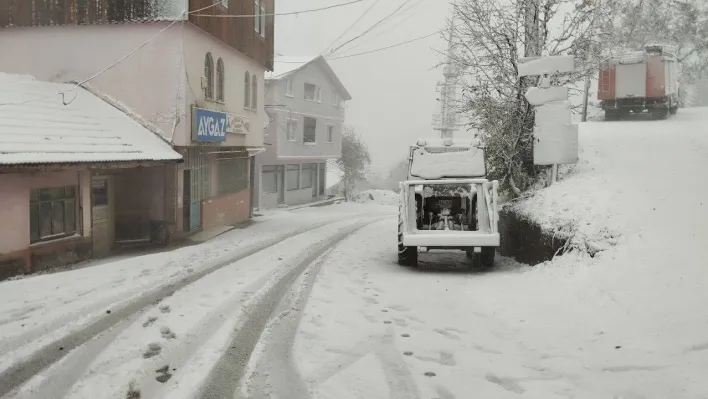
207, 125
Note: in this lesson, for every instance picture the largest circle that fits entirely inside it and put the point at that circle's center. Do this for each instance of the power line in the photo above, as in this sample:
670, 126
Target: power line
352, 25
276, 14
369, 39
371, 27
384, 48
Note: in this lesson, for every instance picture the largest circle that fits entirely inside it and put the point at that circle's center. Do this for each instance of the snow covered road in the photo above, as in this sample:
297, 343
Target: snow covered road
373, 329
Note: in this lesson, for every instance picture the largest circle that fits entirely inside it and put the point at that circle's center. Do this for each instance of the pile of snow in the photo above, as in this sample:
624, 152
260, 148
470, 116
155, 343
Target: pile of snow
380, 197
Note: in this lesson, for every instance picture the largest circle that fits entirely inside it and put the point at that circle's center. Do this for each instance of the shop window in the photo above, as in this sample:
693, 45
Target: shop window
52, 213
292, 177
269, 179
309, 175
232, 173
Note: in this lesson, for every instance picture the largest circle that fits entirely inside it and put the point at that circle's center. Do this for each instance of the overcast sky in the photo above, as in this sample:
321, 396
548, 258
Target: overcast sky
393, 91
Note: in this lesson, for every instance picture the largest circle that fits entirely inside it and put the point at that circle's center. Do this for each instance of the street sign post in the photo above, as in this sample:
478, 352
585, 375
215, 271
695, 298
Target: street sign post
555, 136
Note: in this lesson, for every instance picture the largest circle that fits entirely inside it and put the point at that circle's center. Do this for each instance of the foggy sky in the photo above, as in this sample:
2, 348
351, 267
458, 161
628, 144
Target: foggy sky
393, 91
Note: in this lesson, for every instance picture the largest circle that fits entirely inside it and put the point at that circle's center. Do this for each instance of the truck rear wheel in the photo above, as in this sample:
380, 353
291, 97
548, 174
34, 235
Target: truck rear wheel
660, 113
611, 115
407, 256
483, 260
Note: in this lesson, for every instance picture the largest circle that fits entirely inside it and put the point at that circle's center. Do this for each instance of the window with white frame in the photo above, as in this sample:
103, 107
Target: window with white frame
269, 179
309, 134
52, 213
290, 129
330, 133
289, 87
310, 92
259, 14
318, 95
254, 92
247, 91
209, 76
292, 177
335, 98
220, 78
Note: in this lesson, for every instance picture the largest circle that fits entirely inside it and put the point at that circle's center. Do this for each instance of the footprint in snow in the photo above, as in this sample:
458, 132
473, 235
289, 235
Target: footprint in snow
149, 321
167, 333
165, 309
154, 349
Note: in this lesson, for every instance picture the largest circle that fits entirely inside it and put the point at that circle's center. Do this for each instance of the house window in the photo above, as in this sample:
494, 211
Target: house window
220, 80
310, 92
318, 95
335, 99
269, 180
289, 87
259, 14
309, 175
292, 177
291, 128
209, 75
330, 133
52, 213
254, 92
247, 91
310, 130
232, 173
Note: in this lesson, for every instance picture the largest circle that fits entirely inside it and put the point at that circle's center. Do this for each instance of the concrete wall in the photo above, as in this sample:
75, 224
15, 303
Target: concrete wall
147, 82
226, 210
196, 45
15, 247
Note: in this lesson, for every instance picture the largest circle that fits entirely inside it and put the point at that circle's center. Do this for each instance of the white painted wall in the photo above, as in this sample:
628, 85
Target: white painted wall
197, 43
152, 81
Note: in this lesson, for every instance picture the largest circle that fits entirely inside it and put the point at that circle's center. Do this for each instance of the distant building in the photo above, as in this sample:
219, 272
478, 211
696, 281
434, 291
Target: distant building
197, 77
306, 103
75, 178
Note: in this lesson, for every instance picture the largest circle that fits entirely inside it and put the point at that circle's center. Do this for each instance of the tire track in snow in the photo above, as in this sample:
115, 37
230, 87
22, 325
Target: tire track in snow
24, 370
225, 377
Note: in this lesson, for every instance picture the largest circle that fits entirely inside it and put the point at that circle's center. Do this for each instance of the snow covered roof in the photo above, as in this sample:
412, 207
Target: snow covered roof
447, 158
36, 127
284, 66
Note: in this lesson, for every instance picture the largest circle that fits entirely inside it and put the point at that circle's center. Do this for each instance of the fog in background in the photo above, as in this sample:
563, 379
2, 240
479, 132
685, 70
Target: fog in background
393, 91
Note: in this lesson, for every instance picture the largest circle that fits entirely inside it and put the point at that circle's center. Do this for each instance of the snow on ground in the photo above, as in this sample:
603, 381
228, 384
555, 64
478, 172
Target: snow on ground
380, 197
374, 329
40, 310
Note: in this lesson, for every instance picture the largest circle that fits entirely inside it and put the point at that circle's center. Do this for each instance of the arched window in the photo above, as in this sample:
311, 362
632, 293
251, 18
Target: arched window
247, 91
254, 92
220, 80
209, 75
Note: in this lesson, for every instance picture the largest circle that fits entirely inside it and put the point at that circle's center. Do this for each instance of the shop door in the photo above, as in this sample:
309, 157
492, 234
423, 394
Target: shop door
186, 198
323, 178
314, 180
102, 224
280, 175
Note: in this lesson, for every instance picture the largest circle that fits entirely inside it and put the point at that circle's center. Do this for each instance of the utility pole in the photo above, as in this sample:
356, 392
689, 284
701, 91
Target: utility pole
446, 121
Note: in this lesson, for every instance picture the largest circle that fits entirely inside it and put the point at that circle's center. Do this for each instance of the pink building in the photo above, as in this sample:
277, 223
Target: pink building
198, 78
75, 176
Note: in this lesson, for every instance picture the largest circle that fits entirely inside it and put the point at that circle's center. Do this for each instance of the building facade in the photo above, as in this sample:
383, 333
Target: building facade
305, 101
75, 177
184, 68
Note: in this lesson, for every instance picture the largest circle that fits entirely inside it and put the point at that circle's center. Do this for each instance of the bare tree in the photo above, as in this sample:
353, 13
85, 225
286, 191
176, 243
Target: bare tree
354, 162
491, 35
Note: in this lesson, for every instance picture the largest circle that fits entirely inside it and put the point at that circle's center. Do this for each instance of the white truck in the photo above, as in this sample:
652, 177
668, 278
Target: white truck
447, 202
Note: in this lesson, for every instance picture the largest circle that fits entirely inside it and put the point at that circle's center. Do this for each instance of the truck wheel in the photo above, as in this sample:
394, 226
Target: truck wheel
673, 110
660, 113
407, 256
483, 260
611, 115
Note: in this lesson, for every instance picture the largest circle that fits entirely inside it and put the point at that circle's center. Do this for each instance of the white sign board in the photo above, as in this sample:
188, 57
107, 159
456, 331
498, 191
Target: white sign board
237, 124
553, 113
546, 65
555, 144
538, 96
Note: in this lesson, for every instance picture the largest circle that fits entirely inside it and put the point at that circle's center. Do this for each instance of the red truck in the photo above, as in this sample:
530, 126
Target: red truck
640, 81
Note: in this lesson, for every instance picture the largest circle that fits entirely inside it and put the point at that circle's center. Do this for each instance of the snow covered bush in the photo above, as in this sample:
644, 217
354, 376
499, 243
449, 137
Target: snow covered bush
491, 36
